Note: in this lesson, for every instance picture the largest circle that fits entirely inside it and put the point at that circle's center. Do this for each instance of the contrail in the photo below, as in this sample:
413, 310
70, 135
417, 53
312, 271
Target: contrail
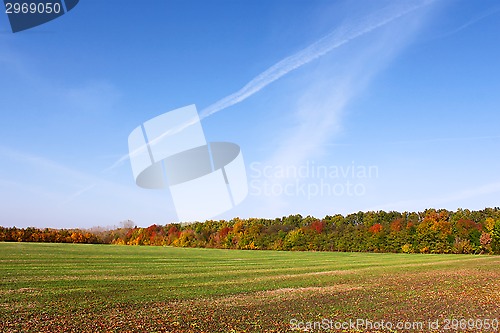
325, 45
467, 24
321, 47
78, 193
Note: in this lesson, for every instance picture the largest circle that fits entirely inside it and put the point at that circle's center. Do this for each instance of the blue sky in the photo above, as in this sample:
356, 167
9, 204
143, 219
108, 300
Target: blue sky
411, 93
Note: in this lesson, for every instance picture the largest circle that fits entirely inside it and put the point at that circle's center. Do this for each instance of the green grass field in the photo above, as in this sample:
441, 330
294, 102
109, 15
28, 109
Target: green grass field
104, 288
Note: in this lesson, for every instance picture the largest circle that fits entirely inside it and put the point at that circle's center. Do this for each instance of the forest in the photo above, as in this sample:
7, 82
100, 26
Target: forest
431, 231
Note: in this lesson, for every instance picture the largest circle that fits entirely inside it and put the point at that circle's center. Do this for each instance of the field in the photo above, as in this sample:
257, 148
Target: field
105, 288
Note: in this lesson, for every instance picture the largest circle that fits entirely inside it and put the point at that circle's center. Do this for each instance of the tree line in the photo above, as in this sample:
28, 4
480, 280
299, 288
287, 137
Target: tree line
430, 231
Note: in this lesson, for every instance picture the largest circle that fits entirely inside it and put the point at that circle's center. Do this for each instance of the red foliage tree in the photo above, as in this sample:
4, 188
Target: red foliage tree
376, 228
396, 225
318, 226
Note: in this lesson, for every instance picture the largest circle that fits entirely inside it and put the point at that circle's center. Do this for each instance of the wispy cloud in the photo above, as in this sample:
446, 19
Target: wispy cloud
92, 98
343, 35
450, 201
337, 38
418, 141
54, 174
79, 192
320, 106
41, 162
61, 196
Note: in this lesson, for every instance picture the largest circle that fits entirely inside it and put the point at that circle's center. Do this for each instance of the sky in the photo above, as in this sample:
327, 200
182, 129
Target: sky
337, 106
